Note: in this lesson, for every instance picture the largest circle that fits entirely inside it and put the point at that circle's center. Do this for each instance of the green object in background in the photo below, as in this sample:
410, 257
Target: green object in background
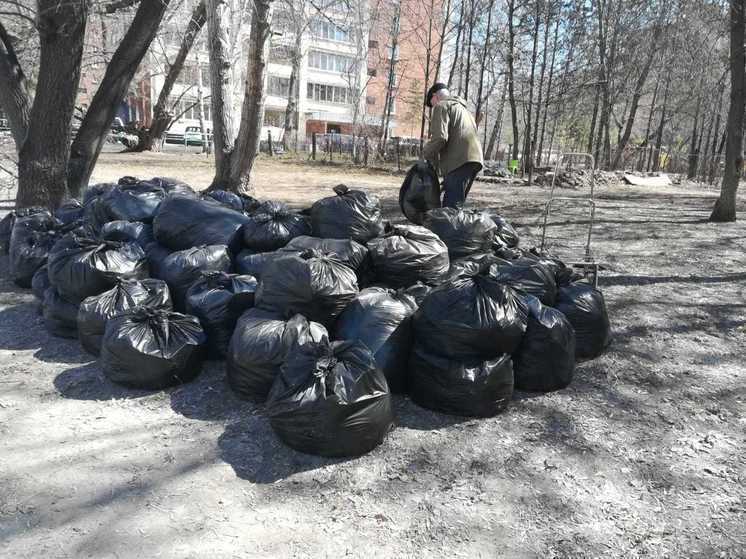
513, 166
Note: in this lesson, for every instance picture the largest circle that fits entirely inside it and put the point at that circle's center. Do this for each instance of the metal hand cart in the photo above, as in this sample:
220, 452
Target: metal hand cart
584, 262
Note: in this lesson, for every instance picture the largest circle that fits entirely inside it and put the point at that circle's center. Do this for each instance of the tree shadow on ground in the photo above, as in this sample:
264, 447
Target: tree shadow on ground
412, 416
209, 397
87, 382
628, 280
257, 455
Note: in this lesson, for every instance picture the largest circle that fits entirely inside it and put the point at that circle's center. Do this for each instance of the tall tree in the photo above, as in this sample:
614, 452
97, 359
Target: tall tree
511, 78
14, 94
43, 156
725, 207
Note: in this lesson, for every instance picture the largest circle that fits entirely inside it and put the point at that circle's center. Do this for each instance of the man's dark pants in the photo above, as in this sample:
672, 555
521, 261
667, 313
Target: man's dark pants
457, 184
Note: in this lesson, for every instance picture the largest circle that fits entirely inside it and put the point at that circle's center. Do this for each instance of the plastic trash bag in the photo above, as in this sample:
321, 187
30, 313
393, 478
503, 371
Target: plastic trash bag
228, 199
172, 186
272, 226
128, 232
505, 234
545, 360
420, 192
95, 191
156, 255
133, 202
382, 320
6, 228
331, 400
464, 232
471, 388
185, 222
69, 212
347, 251
29, 252
217, 300
315, 285
96, 311
527, 276
60, 315
406, 254
91, 267
585, 308
40, 283
152, 348
260, 345
183, 268
351, 214
473, 264
471, 318
254, 263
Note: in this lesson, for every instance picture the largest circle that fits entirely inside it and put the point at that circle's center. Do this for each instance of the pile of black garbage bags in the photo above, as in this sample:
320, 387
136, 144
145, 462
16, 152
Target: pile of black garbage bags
322, 313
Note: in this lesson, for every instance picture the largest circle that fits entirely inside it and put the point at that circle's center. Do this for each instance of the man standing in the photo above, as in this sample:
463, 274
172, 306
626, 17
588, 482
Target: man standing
453, 147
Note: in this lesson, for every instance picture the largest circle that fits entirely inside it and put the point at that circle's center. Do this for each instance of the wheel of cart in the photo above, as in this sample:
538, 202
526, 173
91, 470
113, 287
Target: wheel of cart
578, 253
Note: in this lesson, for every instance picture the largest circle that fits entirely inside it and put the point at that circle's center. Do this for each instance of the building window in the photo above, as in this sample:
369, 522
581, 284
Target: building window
322, 28
274, 118
278, 86
330, 62
329, 94
280, 54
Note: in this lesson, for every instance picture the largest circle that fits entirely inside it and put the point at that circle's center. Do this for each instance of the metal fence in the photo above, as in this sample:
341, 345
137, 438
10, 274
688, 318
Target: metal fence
361, 150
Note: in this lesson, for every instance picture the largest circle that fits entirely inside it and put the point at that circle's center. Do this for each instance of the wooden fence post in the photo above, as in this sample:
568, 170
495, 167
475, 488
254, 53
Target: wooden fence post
269, 143
398, 155
313, 146
365, 152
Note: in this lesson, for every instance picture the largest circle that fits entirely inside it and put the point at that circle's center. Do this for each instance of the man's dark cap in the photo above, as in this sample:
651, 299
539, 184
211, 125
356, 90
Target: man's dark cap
437, 86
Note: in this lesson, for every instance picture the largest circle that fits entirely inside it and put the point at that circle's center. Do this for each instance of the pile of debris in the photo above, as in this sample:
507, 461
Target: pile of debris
321, 314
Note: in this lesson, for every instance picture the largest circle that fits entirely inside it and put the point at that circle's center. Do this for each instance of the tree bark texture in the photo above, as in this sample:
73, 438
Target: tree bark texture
725, 207
14, 95
43, 157
511, 78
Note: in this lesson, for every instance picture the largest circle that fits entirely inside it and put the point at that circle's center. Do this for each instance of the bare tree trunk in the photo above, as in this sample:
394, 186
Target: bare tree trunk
459, 30
528, 165
478, 111
428, 56
725, 207
291, 110
594, 118
468, 51
691, 170
201, 108
549, 91
386, 116
14, 94
443, 31
642, 162
43, 157
511, 77
113, 88
639, 86
496, 129
161, 113
542, 72
252, 113
656, 156
221, 87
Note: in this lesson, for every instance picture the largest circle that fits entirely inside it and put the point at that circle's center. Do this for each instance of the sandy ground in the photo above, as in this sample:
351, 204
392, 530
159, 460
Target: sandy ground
642, 456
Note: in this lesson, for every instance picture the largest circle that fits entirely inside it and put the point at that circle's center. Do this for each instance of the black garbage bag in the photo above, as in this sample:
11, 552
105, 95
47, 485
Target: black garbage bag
183, 268
228, 199
156, 255
420, 192
563, 274
331, 399
133, 202
351, 214
95, 191
506, 234
40, 283
473, 264
471, 388
545, 360
418, 292
464, 232
43, 223
471, 317
92, 267
382, 320
128, 232
253, 264
172, 186
260, 345
152, 348
184, 222
347, 251
527, 276
218, 300
60, 315
406, 254
585, 308
272, 226
96, 311
69, 212
29, 252
250, 204
315, 285
6, 228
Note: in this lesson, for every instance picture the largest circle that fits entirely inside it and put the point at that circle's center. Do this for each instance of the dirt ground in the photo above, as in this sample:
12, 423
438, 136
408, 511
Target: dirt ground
642, 456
